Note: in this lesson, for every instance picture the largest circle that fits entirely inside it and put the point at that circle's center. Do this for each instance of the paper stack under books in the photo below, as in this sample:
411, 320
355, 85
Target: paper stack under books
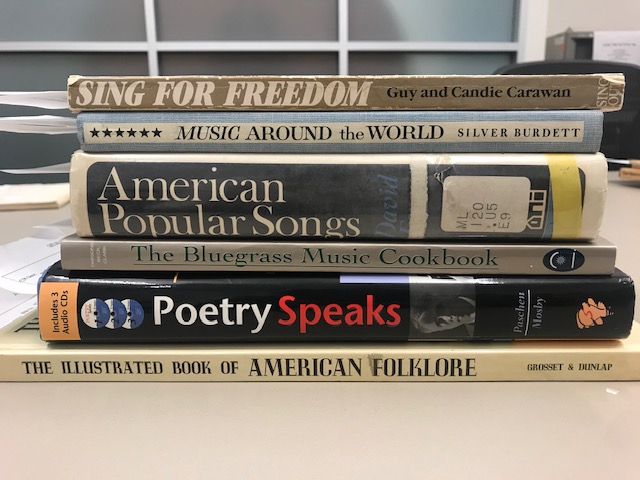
308, 228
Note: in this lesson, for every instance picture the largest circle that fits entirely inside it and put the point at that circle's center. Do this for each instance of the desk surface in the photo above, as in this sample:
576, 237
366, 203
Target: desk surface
307, 431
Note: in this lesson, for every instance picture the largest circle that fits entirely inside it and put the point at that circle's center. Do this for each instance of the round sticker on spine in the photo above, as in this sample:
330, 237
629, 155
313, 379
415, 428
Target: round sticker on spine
118, 313
135, 314
563, 260
95, 313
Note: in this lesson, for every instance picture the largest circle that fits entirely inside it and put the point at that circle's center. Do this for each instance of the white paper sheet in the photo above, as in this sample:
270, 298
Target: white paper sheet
54, 100
21, 264
46, 124
621, 46
16, 307
49, 169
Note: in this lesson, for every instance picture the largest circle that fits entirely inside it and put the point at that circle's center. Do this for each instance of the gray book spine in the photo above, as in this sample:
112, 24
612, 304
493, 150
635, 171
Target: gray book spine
486, 258
525, 131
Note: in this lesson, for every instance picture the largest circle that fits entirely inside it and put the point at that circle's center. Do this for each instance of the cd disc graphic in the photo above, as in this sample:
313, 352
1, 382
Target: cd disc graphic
95, 313
118, 313
135, 314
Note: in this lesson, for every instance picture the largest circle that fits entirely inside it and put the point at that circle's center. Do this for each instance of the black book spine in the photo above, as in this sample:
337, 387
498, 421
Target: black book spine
334, 197
210, 307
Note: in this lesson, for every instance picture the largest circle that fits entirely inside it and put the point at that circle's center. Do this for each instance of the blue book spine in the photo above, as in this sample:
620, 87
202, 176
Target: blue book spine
549, 131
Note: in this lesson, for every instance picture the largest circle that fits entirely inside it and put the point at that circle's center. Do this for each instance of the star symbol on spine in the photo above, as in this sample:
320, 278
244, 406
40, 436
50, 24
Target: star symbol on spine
131, 132
106, 132
94, 133
144, 132
156, 132
119, 132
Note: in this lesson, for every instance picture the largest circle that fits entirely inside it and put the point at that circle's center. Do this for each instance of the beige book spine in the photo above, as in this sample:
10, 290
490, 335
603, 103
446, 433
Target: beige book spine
391, 92
441, 362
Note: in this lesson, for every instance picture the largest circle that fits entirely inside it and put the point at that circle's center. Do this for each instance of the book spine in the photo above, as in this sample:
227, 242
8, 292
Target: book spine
554, 131
326, 364
459, 92
304, 307
597, 258
338, 196
629, 173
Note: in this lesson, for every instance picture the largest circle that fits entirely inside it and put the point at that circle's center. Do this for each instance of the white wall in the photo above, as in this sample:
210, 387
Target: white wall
590, 15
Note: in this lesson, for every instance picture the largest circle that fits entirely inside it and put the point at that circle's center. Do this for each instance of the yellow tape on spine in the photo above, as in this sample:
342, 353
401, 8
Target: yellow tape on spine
566, 193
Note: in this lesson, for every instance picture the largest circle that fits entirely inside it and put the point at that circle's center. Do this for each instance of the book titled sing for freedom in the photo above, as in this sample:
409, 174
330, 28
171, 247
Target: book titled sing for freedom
354, 132
601, 91
221, 306
338, 196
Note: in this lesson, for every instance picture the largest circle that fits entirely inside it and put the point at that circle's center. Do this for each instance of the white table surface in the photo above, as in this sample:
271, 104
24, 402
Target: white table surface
327, 430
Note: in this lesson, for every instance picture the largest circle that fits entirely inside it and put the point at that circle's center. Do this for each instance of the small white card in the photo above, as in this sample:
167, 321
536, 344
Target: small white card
21, 264
622, 46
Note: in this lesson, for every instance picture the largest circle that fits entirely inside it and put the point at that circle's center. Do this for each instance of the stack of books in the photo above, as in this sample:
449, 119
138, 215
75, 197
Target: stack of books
337, 228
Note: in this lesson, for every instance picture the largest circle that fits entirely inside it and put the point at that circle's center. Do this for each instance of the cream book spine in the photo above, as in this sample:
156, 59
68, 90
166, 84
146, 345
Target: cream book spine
26, 358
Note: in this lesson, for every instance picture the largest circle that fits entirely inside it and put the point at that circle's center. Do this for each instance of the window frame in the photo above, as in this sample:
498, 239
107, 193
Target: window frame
529, 29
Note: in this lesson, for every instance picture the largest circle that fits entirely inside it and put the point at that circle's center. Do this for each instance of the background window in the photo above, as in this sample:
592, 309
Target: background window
40, 46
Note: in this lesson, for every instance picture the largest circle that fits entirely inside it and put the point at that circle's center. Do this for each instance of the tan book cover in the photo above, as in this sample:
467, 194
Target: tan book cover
26, 358
629, 173
384, 92
32, 196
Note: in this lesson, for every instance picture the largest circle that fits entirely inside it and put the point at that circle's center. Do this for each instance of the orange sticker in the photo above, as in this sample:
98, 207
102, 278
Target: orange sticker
57, 311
